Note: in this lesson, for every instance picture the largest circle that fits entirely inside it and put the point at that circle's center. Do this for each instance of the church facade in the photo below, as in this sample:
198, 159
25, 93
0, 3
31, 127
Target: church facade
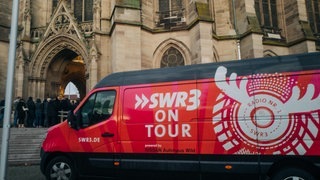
81, 41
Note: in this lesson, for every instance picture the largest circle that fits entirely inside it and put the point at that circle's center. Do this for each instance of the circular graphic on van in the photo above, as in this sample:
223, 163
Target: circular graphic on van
262, 117
264, 114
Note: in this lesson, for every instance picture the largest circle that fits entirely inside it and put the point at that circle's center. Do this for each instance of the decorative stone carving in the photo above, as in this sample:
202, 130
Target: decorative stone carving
61, 23
97, 16
63, 32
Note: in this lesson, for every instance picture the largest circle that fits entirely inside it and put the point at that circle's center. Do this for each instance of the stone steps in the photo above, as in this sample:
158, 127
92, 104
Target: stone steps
24, 145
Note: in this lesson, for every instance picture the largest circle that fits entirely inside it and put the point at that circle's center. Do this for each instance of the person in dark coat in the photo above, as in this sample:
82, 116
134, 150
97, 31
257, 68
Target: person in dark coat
65, 106
52, 113
31, 113
21, 112
15, 116
45, 112
58, 108
39, 110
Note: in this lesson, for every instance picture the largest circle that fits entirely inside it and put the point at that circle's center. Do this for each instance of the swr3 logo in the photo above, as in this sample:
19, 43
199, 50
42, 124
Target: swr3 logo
265, 114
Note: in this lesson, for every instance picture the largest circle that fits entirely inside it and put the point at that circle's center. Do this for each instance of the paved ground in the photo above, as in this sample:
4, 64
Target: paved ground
32, 172
24, 172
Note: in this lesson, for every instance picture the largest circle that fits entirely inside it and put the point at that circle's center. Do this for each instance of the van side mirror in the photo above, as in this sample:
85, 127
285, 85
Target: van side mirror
72, 120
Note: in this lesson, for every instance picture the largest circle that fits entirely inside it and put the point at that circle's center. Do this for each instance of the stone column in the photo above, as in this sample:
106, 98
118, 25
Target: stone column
38, 89
298, 29
93, 65
223, 20
96, 15
126, 39
205, 42
41, 89
19, 76
126, 48
26, 18
32, 88
251, 45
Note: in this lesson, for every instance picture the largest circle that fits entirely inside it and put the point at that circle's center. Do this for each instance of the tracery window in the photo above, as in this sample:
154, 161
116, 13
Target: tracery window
54, 4
171, 58
171, 13
170, 5
266, 11
83, 9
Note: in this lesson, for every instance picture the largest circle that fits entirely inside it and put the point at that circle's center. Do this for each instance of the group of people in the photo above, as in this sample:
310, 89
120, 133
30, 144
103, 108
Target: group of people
38, 113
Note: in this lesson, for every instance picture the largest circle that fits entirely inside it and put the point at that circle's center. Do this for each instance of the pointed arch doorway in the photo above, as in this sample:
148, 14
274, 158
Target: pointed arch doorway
67, 66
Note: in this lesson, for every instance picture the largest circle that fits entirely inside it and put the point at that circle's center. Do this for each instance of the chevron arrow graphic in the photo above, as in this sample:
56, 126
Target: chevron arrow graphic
141, 101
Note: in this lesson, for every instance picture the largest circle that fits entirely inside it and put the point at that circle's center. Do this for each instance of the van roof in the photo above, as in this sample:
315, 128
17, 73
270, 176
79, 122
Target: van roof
289, 63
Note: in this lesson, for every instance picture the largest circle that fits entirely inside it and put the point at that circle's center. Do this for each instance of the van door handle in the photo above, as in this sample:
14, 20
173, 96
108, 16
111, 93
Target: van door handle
107, 134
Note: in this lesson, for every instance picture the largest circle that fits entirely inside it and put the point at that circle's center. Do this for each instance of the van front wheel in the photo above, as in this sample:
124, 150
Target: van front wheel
60, 168
292, 174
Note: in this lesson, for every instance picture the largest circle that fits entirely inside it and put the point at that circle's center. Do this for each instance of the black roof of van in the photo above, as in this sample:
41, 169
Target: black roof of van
289, 63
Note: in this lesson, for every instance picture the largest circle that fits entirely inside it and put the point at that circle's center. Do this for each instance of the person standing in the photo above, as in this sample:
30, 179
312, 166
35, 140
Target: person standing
52, 112
15, 116
65, 106
58, 108
21, 112
38, 112
31, 113
45, 112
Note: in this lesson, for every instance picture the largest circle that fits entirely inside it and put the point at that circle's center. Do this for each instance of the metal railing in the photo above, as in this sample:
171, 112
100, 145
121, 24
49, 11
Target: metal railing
63, 115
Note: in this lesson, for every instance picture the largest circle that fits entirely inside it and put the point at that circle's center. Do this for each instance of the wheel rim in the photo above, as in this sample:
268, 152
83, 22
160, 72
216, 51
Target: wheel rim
294, 178
60, 171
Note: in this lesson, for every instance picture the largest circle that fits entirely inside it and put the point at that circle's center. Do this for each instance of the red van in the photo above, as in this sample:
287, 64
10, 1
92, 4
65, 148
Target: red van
256, 117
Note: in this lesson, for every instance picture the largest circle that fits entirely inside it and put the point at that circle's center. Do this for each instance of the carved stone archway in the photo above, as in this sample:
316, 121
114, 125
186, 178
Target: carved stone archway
74, 71
65, 67
53, 67
53, 64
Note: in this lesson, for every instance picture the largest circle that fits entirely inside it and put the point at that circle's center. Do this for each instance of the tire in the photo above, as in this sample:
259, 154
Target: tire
292, 174
60, 168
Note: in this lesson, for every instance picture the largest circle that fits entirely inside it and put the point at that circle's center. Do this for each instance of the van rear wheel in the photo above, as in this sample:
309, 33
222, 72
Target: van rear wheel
60, 168
292, 174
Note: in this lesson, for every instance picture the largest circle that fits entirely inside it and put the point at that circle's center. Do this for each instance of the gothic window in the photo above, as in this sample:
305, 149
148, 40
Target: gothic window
170, 5
83, 10
171, 13
314, 16
54, 4
266, 11
171, 58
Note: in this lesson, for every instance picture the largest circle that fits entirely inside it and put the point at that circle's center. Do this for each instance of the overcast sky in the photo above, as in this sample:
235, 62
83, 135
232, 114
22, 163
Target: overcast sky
71, 89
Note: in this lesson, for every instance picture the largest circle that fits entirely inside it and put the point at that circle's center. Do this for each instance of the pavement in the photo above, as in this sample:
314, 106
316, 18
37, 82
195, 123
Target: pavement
32, 172
28, 172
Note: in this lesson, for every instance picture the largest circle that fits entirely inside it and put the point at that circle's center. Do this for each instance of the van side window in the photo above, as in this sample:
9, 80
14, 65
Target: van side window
99, 107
